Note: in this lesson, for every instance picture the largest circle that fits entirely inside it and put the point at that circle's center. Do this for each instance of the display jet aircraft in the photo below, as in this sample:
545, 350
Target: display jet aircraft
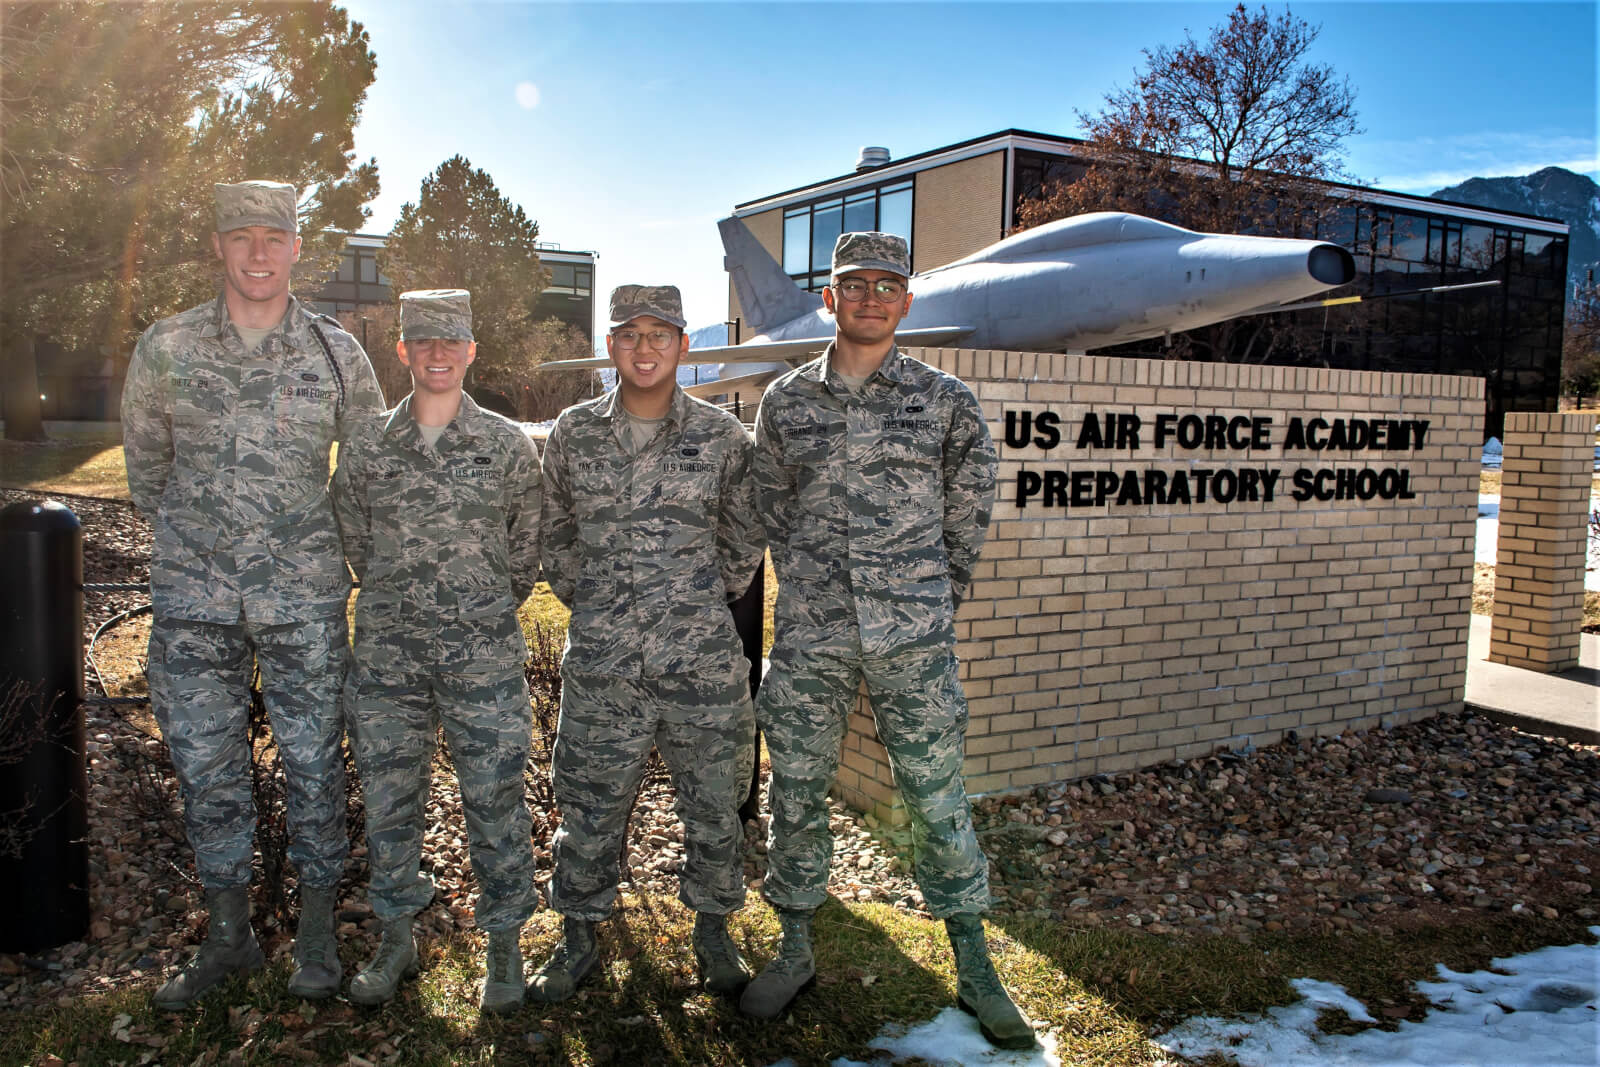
1085, 282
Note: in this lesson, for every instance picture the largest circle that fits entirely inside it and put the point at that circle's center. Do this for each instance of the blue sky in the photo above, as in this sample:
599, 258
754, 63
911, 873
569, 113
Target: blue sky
628, 129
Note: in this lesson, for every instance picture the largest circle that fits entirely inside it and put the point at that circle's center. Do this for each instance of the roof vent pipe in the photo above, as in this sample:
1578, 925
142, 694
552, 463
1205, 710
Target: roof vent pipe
872, 156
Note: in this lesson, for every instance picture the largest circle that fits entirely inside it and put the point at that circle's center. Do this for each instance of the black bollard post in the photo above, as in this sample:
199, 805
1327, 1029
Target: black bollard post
748, 613
44, 820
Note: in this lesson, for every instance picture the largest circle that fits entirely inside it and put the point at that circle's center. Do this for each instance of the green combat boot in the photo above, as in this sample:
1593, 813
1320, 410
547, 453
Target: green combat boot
568, 965
396, 959
230, 947
721, 967
792, 970
317, 971
978, 989
502, 976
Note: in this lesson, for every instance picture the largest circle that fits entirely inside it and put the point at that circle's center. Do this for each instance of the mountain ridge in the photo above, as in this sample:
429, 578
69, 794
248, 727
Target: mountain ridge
1553, 192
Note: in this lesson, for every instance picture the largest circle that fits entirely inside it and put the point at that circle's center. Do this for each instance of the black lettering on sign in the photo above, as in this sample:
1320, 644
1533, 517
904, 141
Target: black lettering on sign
1024, 428
1114, 431
1059, 488
1351, 483
1356, 435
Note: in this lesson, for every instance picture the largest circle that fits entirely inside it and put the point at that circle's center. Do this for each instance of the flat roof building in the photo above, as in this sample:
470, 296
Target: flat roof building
949, 202
357, 283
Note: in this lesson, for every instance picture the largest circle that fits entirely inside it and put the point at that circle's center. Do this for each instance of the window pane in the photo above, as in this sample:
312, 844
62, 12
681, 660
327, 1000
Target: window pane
1410, 238
797, 242
825, 222
563, 275
859, 212
369, 270
347, 266
584, 279
894, 214
1478, 247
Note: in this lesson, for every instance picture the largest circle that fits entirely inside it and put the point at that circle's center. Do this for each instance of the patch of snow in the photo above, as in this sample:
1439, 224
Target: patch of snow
952, 1039
1535, 1008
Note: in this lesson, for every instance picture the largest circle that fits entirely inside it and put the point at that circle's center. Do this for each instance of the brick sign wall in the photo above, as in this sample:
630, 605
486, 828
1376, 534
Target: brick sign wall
1189, 555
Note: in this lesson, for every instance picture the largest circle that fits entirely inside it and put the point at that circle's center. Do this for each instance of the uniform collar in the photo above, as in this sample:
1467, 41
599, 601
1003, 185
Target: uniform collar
610, 406
821, 371
294, 326
469, 422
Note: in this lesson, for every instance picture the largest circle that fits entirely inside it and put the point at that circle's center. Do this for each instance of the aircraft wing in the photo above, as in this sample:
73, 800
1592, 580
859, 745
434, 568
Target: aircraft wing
778, 351
1334, 301
806, 347
578, 364
744, 383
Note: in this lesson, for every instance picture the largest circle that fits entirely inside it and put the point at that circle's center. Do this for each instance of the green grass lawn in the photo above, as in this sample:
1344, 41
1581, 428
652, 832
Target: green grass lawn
84, 458
1101, 993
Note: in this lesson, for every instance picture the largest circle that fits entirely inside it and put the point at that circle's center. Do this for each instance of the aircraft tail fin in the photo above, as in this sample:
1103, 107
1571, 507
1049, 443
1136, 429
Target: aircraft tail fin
767, 295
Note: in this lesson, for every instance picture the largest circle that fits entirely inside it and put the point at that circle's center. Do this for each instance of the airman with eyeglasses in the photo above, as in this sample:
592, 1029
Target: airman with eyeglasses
875, 476
649, 531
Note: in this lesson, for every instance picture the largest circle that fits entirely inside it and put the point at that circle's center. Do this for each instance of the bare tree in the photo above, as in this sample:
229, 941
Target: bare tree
1233, 134
378, 327
541, 394
1580, 344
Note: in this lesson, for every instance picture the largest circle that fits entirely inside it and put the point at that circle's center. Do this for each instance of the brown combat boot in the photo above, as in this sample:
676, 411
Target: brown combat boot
502, 973
978, 989
395, 959
721, 967
792, 970
229, 948
317, 971
568, 965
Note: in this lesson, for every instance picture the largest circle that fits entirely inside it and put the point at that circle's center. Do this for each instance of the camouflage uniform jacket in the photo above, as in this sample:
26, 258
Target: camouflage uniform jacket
648, 550
875, 504
445, 541
227, 455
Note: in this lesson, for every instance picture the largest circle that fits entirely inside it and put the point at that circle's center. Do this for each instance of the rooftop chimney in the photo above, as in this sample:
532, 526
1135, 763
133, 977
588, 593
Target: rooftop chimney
872, 156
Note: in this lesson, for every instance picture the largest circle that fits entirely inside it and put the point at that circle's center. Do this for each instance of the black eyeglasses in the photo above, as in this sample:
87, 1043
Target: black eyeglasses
887, 290
660, 340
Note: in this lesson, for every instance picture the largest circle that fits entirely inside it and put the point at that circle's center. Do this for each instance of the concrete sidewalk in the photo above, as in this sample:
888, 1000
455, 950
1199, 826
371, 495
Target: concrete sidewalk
1561, 705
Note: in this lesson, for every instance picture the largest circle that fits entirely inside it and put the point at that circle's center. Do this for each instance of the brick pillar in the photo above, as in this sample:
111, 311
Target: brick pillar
1538, 577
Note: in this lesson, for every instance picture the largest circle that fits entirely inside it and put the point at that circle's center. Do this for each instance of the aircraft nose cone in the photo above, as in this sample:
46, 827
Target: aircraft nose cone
1331, 265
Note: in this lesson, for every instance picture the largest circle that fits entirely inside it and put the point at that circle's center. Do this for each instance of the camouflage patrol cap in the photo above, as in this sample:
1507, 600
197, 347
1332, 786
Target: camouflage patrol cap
441, 313
256, 204
871, 250
628, 302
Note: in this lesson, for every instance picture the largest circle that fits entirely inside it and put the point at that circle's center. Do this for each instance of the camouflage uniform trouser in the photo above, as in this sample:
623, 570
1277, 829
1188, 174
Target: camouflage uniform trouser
200, 691
705, 731
921, 716
395, 716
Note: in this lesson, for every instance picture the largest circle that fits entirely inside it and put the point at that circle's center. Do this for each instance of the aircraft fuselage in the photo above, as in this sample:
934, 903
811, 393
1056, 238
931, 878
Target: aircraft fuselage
1101, 280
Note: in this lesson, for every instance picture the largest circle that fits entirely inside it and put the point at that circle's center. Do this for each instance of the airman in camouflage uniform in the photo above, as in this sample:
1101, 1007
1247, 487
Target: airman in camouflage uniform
649, 532
227, 418
438, 501
875, 475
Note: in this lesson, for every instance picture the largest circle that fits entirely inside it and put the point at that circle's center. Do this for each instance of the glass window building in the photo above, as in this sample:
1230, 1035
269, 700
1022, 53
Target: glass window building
951, 201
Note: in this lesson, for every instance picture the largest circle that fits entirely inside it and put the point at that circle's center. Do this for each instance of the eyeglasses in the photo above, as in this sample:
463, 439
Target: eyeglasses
660, 340
885, 289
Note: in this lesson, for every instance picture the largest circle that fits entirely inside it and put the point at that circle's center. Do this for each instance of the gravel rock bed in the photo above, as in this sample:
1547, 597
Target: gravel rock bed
1379, 830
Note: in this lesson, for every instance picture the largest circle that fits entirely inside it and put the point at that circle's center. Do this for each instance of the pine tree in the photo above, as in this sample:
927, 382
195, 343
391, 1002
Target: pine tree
118, 119
461, 233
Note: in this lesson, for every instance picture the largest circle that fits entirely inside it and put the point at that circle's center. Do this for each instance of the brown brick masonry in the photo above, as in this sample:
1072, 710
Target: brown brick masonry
1191, 555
